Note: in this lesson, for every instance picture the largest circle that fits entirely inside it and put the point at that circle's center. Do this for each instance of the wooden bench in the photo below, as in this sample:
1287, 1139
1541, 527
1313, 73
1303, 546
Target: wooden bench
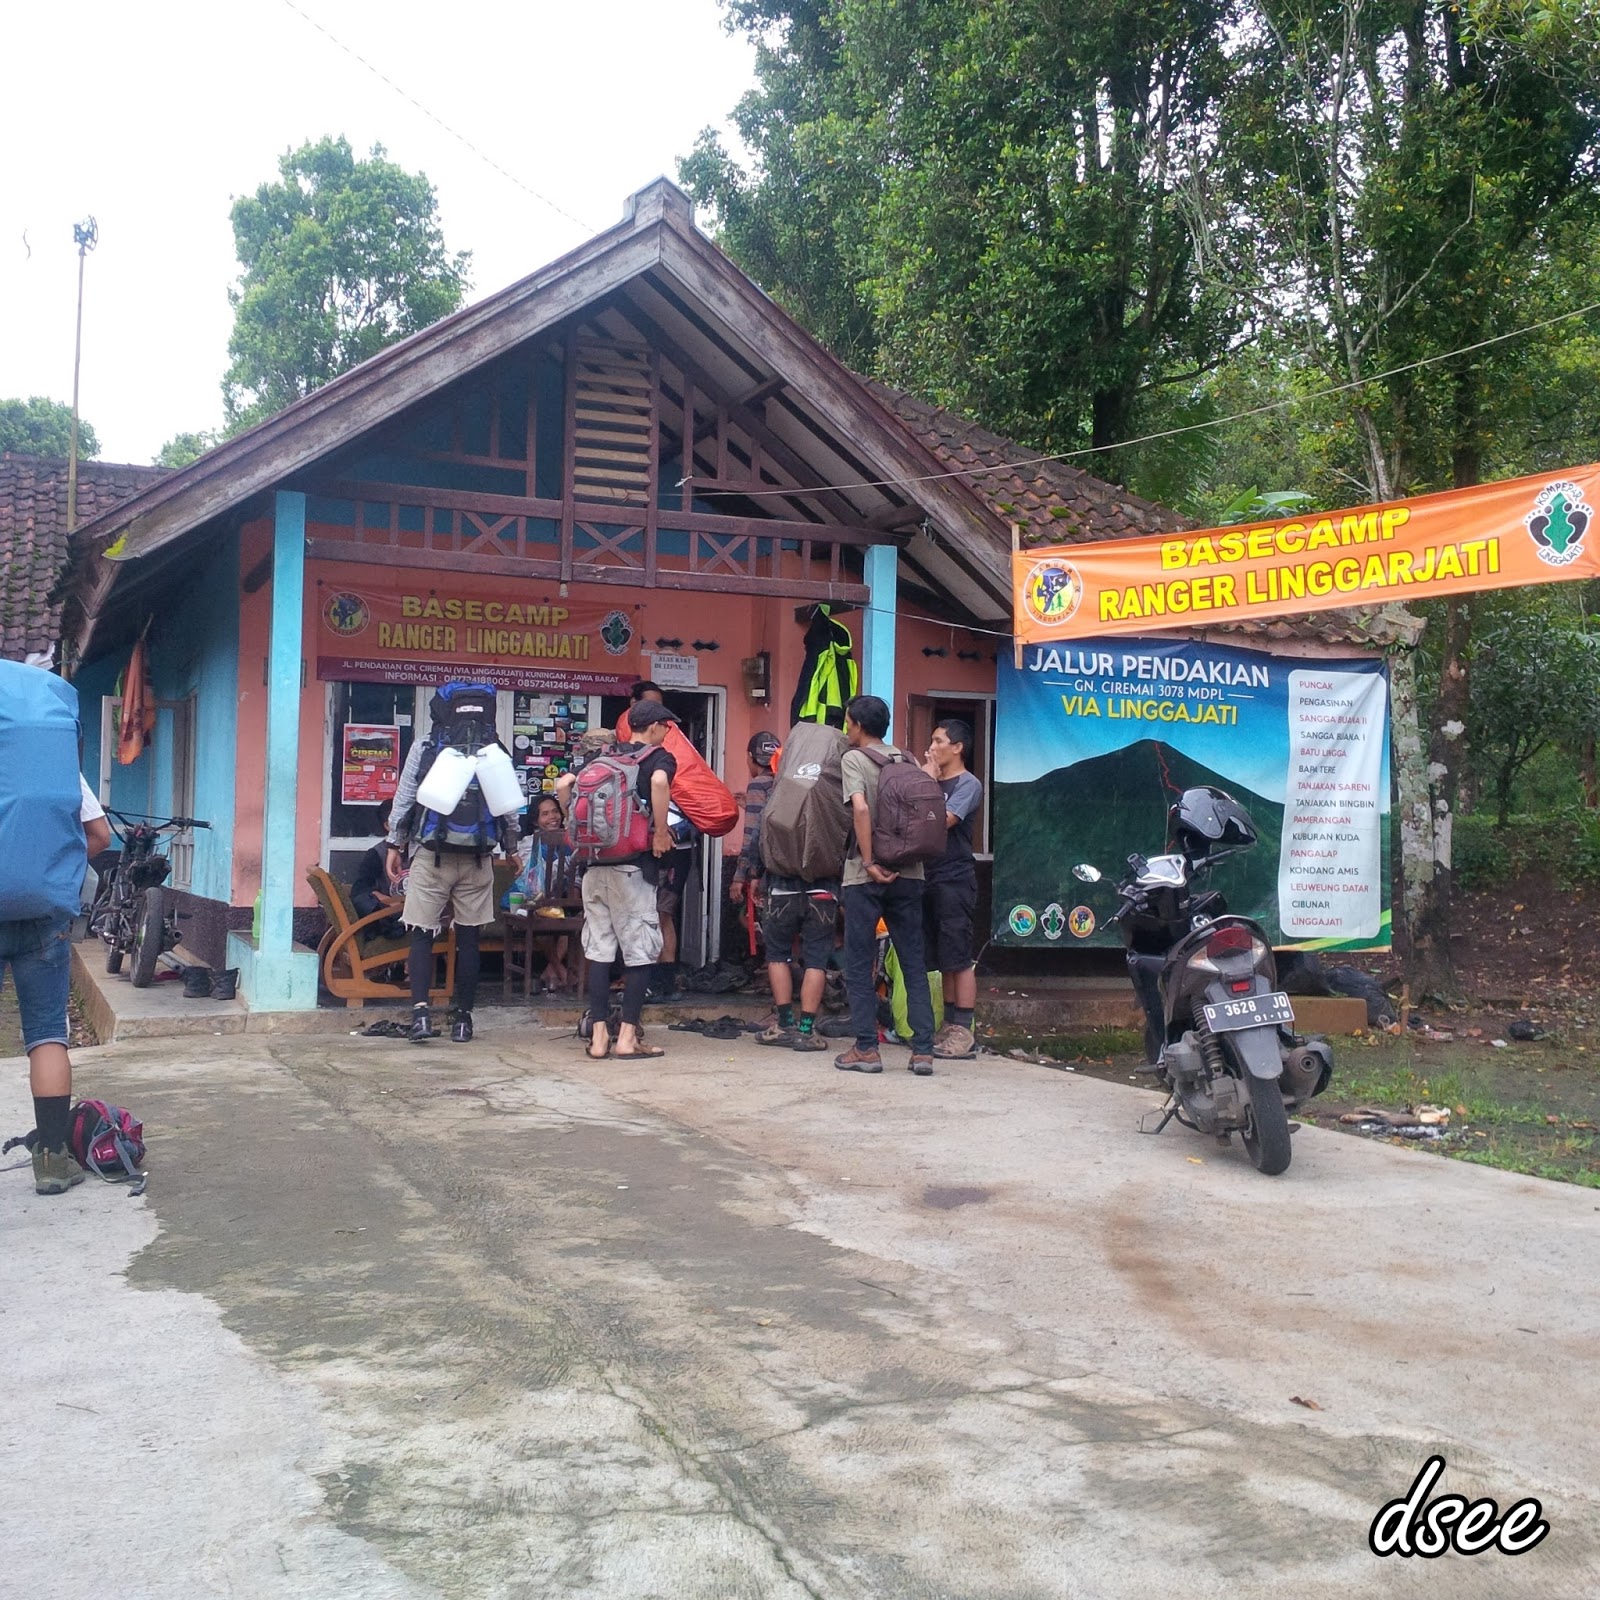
352, 951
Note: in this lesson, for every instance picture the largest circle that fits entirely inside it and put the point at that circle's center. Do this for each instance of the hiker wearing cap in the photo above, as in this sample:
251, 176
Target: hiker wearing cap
619, 896
672, 871
761, 750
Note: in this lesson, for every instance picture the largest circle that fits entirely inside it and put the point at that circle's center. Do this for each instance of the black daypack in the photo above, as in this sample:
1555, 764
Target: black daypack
805, 824
463, 716
908, 821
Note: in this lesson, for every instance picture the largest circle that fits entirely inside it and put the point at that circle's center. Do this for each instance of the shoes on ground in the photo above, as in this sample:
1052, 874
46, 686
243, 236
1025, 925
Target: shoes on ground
54, 1171
461, 1027
421, 1025
955, 1043
854, 1060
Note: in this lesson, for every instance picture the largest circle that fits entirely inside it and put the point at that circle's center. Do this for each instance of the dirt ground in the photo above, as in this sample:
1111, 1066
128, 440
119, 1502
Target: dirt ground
1527, 953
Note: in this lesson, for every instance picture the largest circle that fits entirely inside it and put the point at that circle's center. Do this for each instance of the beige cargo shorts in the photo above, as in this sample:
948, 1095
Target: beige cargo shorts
461, 882
619, 913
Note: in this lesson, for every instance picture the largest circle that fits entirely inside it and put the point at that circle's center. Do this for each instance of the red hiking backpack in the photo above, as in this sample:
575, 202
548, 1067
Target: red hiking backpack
607, 820
908, 820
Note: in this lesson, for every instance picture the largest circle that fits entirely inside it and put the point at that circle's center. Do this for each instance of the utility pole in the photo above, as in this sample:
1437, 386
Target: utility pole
86, 235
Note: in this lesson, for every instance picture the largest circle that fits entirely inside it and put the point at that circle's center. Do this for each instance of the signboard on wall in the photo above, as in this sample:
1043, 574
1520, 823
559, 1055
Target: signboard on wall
371, 765
1097, 739
405, 626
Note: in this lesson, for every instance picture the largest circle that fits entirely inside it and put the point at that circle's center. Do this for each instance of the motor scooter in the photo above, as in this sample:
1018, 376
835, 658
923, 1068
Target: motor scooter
1218, 1031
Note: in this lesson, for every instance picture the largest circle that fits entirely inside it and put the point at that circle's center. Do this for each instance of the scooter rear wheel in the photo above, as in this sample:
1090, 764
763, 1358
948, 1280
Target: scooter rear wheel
1266, 1138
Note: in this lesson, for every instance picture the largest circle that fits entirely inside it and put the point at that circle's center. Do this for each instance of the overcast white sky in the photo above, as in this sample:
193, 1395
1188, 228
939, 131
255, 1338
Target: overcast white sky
153, 117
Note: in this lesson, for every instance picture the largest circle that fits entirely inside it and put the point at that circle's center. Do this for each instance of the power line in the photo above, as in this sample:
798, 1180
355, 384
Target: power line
1169, 433
433, 117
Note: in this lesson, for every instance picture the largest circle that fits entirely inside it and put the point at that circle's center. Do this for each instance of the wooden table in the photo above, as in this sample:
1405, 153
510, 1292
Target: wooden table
524, 928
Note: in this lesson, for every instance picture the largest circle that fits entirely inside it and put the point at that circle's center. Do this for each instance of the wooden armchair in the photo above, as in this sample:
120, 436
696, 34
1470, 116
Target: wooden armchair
351, 951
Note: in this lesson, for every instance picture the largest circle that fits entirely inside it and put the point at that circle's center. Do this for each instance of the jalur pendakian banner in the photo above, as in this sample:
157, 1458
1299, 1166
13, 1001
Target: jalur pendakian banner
1499, 536
1096, 739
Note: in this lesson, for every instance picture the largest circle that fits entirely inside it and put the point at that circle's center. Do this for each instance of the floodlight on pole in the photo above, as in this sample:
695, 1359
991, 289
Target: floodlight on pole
86, 235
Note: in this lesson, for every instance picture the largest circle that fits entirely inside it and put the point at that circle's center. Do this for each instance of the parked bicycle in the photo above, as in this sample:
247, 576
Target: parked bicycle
130, 909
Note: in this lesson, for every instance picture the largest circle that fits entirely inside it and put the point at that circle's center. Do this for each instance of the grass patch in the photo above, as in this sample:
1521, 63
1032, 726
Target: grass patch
1098, 1044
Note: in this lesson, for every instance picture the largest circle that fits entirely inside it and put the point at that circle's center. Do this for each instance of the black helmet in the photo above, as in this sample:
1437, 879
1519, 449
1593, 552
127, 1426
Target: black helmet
1204, 819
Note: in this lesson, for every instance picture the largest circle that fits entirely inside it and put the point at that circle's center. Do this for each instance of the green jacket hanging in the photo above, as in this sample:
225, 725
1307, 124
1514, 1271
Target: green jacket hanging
829, 677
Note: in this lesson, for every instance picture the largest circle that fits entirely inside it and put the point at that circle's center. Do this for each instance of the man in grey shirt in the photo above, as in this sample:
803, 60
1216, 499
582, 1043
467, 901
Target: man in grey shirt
872, 891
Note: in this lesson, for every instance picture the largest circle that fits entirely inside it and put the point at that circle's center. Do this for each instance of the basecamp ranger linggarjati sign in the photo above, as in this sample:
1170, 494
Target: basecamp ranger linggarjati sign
1499, 536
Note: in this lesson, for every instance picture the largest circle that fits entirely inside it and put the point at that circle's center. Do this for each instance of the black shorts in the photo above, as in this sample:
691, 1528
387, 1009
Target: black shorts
947, 910
813, 914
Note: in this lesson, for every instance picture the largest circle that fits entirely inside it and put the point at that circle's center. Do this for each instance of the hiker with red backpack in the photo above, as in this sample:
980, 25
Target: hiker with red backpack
444, 820
616, 811
897, 823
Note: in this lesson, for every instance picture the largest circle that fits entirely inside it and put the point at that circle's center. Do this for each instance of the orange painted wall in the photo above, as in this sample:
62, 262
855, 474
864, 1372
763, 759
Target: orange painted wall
741, 626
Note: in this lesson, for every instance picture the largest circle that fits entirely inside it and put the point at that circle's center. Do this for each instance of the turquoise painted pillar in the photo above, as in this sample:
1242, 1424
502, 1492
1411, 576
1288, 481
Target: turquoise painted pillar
877, 633
281, 978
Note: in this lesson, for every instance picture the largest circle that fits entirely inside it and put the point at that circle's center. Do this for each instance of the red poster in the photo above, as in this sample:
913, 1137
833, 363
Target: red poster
371, 764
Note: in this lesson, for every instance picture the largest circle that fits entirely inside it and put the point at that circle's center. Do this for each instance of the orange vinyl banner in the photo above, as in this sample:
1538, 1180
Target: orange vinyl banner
1498, 536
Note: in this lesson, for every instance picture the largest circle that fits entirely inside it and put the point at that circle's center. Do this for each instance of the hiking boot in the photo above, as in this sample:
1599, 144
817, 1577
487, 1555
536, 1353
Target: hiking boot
955, 1043
461, 1028
921, 1065
421, 1025
54, 1171
777, 1035
805, 1039
854, 1060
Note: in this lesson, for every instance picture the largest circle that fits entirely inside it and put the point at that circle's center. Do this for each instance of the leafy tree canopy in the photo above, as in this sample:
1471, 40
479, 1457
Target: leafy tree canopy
341, 256
40, 427
979, 202
182, 448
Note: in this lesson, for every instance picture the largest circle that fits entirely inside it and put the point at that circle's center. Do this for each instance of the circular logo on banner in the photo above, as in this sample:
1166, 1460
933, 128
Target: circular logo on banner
1023, 920
1052, 592
346, 614
1052, 921
1081, 922
1558, 522
616, 633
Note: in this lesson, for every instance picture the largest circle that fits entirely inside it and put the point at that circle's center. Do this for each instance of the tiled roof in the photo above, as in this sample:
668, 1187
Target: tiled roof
33, 538
1058, 504
1054, 503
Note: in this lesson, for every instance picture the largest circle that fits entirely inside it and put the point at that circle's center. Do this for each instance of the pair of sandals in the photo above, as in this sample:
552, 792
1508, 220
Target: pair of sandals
724, 1028
645, 1052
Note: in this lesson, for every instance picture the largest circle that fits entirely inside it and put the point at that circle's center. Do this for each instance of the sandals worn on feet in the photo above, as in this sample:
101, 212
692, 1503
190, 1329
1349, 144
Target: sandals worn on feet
650, 1051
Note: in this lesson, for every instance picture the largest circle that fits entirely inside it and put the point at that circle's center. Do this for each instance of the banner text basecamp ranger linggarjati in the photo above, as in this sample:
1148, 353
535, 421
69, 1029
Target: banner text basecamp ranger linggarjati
1527, 530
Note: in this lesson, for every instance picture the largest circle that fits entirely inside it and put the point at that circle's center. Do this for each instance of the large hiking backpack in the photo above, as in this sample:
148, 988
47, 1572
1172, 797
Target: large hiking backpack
42, 859
463, 720
607, 821
706, 802
805, 824
908, 820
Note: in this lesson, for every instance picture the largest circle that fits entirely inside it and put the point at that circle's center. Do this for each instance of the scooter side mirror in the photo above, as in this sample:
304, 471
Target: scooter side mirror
1084, 873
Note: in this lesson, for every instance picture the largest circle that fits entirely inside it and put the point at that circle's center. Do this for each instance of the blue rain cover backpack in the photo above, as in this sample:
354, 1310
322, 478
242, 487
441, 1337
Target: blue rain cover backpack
42, 858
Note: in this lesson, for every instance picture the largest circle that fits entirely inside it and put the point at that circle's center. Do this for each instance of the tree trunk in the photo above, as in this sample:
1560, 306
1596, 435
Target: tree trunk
1424, 842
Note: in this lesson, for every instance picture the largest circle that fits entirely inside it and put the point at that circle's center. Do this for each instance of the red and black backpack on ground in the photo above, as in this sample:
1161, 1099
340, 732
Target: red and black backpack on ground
107, 1141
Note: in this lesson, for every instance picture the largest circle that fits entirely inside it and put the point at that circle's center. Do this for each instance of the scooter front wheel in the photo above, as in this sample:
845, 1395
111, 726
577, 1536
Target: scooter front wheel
1266, 1137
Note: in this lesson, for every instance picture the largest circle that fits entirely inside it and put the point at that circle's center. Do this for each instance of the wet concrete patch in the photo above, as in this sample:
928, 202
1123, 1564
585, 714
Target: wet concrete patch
940, 1198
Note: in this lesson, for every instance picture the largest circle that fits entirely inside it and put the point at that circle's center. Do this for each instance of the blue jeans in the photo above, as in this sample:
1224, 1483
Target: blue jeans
900, 905
40, 958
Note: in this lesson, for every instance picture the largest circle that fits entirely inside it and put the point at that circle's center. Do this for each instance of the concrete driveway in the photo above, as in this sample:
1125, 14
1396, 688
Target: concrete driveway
496, 1321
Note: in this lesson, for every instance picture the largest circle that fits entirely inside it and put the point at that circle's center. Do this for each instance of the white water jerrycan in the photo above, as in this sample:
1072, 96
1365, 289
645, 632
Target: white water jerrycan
498, 780
447, 781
